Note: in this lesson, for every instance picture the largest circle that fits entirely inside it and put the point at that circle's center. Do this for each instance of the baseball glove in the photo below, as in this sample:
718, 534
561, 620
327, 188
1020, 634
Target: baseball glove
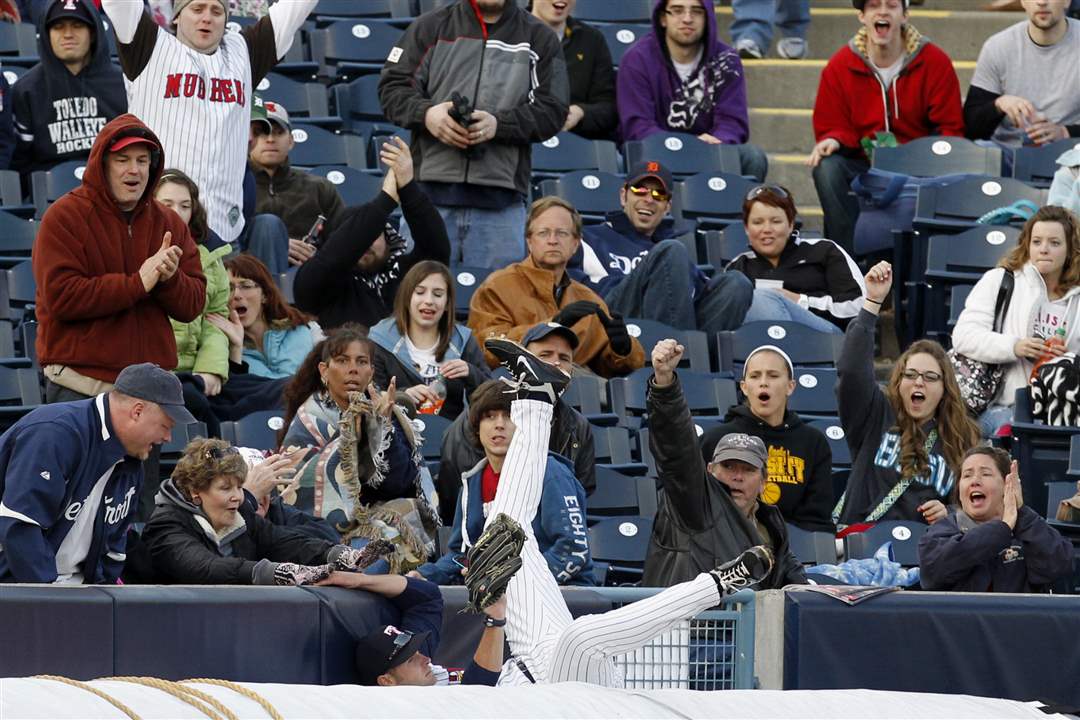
492, 561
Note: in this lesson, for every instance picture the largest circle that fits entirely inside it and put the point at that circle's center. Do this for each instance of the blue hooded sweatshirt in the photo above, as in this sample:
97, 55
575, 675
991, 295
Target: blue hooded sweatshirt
559, 526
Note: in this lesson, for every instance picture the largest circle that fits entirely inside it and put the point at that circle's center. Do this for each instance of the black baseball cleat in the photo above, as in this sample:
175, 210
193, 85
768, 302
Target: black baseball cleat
531, 378
748, 568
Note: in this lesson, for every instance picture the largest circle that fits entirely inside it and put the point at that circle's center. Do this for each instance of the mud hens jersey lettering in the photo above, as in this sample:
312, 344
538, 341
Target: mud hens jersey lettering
188, 85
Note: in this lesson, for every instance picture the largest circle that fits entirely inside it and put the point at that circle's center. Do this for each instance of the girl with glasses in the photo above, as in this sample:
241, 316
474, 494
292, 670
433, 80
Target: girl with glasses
908, 441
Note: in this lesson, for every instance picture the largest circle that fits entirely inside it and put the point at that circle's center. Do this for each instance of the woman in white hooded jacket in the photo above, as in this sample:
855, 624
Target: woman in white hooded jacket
1046, 295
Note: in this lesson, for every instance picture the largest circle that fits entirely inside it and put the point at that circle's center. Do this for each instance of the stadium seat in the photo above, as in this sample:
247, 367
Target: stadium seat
938, 155
714, 200
258, 430
466, 280
1041, 451
620, 543
958, 295
180, 437
904, 537
839, 482
305, 101
683, 154
957, 205
49, 185
16, 235
593, 193
19, 387
1074, 458
28, 340
650, 332
1055, 493
316, 146
337, 9
811, 548
431, 429
588, 394
722, 246
611, 448
1036, 164
805, 346
18, 44
619, 494
355, 187
357, 102
21, 290
566, 151
834, 433
638, 11
285, 282
620, 37
12, 73
705, 394
348, 48
815, 393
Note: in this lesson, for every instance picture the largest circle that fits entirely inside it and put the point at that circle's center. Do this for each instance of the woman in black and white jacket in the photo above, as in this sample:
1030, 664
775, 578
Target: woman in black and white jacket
1046, 268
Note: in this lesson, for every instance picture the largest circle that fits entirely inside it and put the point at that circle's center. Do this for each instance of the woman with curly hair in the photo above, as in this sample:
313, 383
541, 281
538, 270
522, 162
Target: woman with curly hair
908, 442
363, 468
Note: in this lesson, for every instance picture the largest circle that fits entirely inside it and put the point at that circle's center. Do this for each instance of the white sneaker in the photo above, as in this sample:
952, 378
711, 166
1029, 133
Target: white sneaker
748, 49
792, 48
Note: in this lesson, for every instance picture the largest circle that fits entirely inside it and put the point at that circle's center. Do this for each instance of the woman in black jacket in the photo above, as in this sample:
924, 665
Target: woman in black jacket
436, 361
206, 531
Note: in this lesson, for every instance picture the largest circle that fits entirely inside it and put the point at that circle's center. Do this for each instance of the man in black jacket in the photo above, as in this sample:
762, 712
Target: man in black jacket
571, 435
588, 68
354, 275
699, 520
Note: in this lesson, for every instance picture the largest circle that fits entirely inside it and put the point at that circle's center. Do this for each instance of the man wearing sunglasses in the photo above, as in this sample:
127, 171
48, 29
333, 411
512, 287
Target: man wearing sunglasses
635, 262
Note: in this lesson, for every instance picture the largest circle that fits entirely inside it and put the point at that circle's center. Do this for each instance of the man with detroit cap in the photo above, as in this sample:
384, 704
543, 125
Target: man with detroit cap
70, 475
635, 262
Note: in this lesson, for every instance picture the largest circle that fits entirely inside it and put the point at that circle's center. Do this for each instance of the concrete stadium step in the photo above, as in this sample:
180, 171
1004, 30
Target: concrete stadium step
794, 83
928, 5
783, 130
960, 34
790, 170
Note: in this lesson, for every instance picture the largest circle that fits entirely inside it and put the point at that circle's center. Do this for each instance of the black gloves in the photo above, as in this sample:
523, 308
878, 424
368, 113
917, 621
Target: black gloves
618, 337
575, 311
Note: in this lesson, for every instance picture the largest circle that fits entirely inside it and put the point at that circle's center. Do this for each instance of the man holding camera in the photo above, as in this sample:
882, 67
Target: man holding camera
477, 81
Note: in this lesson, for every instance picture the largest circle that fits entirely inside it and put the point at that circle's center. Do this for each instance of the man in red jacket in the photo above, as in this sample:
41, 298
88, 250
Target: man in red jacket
112, 265
887, 79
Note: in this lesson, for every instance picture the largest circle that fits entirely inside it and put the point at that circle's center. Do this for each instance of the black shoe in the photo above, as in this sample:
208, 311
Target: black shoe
530, 377
748, 568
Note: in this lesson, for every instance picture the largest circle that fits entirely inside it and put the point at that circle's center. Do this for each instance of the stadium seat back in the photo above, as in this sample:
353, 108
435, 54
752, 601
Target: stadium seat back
566, 152
20, 387
358, 101
964, 257
811, 548
803, 345
16, 235
333, 9
712, 199
18, 43
834, 433
695, 342
48, 186
300, 99
620, 37
957, 205
350, 47
615, 494
593, 193
314, 146
257, 430
1036, 164
466, 280
431, 429
683, 154
635, 11
355, 187
815, 392
723, 245
903, 535
621, 543
937, 155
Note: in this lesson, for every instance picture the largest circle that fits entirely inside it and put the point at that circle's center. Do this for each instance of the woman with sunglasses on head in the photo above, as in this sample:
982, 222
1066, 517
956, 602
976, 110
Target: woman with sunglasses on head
811, 281
1045, 268
437, 361
362, 467
907, 443
206, 529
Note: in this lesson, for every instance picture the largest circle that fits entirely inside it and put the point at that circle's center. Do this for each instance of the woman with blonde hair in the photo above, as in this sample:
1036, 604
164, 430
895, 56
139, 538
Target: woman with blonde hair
1045, 267
907, 442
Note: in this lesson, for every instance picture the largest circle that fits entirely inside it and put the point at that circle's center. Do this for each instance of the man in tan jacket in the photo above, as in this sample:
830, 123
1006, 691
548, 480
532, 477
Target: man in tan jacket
537, 289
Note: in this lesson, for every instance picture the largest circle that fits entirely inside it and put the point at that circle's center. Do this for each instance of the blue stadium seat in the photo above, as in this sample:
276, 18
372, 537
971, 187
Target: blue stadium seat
1036, 165
357, 102
431, 428
958, 295
620, 544
957, 205
348, 48
904, 537
805, 346
612, 448
594, 194
619, 494
1041, 451
19, 387
337, 9
314, 146
588, 394
815, 393
466, 280
355, 187
637, 11
620, 37
938, 155
181, 436
705, 394
1055, 493
811, 548
258, 430
834, 433
1074, 457
285, 282
305, 101
16, 235
714, 200
650, 332
18, 44
12, 73
297, 60
28, 340
566, 151
683, 154
49, 185
721, 246
21, 290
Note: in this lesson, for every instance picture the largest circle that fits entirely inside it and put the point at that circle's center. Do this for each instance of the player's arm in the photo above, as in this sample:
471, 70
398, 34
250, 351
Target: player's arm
270, 39
488, 659
136, 34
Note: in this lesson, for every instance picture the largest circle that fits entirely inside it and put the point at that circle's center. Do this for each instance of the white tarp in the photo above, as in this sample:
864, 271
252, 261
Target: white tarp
27, 698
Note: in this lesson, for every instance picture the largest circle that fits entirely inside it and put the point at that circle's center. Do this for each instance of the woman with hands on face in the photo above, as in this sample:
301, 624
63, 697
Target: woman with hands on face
993, 542
1045, 264
908, 441
436, 360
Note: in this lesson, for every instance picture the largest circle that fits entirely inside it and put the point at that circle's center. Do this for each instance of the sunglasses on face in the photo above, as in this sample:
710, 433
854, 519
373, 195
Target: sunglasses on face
761, 189
657, 195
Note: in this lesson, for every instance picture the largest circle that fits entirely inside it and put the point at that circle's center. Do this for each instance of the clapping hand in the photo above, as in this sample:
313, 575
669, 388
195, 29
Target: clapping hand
1014, 497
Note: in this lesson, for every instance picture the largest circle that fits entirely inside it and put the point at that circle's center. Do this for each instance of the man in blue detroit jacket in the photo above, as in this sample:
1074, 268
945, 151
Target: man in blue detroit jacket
70, 476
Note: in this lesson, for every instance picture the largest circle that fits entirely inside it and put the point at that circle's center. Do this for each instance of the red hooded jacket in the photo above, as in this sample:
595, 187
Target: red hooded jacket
94, 314
924, 99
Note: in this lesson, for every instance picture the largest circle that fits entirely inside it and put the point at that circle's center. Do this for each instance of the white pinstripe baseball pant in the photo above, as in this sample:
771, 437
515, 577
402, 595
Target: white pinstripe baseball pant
543, 636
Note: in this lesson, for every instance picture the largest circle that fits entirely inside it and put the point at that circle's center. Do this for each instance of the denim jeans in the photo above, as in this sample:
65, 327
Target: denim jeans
267, 238
994, 417
771, 306
832, 179
482, 238
755, 19
753, 161
659, 289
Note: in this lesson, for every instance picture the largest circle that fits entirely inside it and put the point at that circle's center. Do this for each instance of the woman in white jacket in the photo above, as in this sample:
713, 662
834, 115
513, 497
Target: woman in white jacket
1046, 296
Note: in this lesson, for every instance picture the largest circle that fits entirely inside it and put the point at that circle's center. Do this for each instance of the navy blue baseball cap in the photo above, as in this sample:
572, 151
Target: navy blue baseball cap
147, 381
541, 331
383, 650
